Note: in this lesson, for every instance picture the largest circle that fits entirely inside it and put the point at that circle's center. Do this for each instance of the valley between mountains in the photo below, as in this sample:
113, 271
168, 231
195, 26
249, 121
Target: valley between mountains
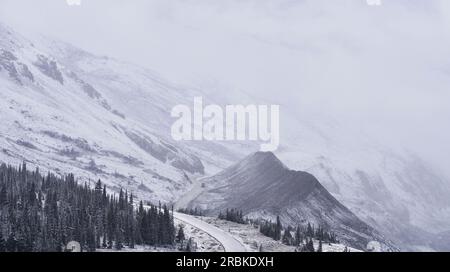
65, 110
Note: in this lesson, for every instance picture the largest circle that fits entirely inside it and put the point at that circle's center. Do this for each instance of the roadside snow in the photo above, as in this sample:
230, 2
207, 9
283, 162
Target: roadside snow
204, 241
229, 243
254, 241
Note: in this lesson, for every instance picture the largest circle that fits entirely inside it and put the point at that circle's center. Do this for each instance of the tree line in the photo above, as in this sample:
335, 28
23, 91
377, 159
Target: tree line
196, 211
301, 237
232, 215
44, 212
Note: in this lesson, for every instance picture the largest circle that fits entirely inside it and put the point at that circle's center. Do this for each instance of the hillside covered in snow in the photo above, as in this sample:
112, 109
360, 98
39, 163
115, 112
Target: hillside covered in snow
65, 110
69, 111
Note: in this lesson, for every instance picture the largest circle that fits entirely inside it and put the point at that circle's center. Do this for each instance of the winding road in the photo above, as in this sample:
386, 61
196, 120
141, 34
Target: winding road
229, 243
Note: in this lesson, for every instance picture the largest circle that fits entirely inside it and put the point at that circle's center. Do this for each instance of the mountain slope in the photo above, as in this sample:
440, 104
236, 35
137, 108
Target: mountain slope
55, 117
67, 110
261, 186
387, 186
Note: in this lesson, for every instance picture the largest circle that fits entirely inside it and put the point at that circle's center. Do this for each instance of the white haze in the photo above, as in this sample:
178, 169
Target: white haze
382, 69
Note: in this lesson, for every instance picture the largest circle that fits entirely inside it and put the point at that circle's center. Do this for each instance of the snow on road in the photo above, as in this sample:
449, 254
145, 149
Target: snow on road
229, 243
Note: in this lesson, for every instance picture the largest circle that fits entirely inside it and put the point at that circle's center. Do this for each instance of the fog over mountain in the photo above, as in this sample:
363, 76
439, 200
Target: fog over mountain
363, 93
382, 68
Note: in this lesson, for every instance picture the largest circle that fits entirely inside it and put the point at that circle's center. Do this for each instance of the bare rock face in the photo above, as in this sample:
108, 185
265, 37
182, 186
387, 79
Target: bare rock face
15, 68
86, 87
7, 56
25, 71
7, 61
168, 153
49, 68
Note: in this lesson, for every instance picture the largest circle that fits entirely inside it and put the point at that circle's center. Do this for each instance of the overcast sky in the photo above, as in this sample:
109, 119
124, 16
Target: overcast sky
384, 68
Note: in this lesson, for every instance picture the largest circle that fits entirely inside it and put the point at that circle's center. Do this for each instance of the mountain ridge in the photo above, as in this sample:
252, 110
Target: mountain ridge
263, 187
73, 111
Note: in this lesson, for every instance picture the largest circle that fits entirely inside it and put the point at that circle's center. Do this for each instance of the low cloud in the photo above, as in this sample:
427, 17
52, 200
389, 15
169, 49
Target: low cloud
382, 68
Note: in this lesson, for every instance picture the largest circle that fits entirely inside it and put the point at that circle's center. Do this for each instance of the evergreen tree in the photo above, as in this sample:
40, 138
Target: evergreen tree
287, 237
309, 231
298, 236
319, 249
43, 213
3, 196
278, 228
2, 243
190, 245
180, 235
11, 243
310, 245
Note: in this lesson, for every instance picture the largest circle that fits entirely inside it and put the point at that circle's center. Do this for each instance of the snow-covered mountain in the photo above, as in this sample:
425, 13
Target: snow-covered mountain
67, 110
262, 187
387, 186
